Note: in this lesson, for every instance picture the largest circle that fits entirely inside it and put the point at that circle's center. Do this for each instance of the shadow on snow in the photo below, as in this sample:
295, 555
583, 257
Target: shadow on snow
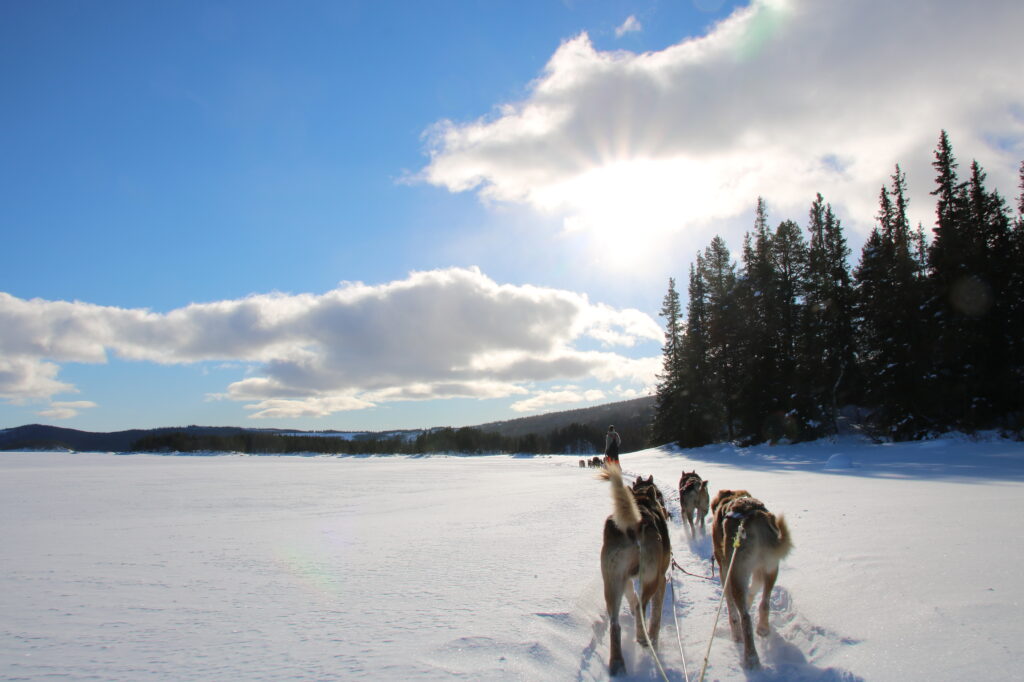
943, 459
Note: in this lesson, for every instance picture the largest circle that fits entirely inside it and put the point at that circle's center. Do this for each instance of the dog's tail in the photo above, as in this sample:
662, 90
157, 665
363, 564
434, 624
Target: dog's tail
783, 542
625, 513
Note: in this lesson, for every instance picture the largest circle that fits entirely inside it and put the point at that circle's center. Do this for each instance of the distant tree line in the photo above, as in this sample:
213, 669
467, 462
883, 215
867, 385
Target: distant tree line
927, 334
574, 438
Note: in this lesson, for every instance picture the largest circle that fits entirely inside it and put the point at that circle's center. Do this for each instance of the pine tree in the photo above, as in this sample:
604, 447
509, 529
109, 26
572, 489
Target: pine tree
946, 267
758, 406
970, 303
698, 419
719, 275
1014, 374
668, 397
888, 316
982, 299
829, 361
789, 265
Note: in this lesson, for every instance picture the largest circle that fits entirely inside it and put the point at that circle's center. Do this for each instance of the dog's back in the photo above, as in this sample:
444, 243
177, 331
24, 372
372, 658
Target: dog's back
749, 541
766, 536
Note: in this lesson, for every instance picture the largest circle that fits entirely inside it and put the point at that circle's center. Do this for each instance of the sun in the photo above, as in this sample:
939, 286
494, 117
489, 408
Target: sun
626, 210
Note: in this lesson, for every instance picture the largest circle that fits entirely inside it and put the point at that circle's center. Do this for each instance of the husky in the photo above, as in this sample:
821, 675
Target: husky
635, 537
764, 540
694, 499
647, 487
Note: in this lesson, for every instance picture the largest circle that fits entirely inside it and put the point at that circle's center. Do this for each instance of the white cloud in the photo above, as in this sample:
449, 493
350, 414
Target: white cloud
784, 99
629, 393
437, 334
23, 378
279, 408
630, 25
66, 410
547, 399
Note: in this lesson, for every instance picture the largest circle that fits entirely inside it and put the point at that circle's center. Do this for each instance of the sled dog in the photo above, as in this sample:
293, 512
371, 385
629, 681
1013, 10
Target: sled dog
763, 541
694, 499
646, 486
635, 537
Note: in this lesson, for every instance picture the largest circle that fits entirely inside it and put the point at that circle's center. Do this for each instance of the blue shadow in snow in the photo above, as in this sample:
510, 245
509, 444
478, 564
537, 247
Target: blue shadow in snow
950, 459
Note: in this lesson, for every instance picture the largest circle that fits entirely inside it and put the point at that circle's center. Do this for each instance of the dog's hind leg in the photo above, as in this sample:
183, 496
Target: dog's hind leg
724, 571
734, 615
756, 581
657, 601
763, 628
687, 511
613, 600
641, 611
737, 591
631, 597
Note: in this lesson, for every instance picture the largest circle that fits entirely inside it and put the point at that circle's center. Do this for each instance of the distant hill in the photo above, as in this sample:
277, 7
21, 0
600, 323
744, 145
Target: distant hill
630, 417
43, 437
620, 413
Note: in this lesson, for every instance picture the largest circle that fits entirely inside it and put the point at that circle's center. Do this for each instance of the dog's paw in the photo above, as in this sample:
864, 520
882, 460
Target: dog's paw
617, 667
751, 661
763, 630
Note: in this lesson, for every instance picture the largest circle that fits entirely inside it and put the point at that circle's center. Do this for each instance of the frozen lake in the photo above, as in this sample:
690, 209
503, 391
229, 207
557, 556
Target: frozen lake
145, 567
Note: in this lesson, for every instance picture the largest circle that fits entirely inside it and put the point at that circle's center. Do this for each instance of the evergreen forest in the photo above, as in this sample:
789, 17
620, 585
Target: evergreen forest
924, 334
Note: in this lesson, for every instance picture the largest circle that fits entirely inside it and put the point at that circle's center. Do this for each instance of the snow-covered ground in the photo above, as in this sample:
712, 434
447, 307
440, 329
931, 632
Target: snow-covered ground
145, 567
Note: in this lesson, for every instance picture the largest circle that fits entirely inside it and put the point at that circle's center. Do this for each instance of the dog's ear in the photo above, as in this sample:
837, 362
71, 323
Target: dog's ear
721, 497
704, 484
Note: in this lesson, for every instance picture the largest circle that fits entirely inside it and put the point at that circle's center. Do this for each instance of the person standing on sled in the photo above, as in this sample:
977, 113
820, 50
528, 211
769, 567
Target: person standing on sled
612, 441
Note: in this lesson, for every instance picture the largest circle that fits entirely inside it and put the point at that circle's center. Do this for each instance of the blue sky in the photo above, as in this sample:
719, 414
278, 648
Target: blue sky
375, 215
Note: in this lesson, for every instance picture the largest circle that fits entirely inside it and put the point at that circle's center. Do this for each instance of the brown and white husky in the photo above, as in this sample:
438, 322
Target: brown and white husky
763, 541
636, 545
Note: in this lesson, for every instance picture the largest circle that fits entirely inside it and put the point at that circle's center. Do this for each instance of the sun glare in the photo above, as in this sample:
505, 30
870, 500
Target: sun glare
626, 210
